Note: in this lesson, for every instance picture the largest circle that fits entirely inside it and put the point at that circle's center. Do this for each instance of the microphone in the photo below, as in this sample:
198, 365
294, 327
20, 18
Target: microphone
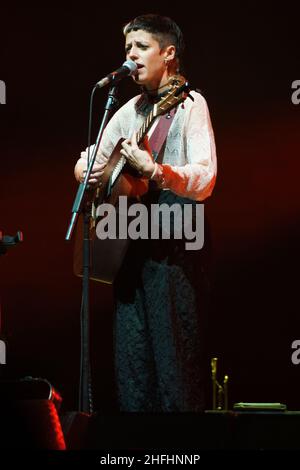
128, 68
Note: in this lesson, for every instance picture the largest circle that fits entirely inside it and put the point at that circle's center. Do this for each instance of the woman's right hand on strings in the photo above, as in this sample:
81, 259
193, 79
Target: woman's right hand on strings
97, 171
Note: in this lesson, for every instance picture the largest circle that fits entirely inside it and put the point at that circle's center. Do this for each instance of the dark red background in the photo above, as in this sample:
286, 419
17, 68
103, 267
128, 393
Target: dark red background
244, 59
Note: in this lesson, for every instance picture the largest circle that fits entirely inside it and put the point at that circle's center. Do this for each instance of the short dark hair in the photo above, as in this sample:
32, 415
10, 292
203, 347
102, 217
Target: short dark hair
164, 29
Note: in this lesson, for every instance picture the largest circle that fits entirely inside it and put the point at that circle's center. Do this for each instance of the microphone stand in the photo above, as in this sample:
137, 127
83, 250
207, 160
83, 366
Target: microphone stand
84, 205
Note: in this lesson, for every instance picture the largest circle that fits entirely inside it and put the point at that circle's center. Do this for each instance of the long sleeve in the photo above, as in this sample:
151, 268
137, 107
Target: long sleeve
196, 178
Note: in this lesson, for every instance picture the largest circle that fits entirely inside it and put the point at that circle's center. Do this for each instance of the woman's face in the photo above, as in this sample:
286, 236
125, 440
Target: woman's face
142, 48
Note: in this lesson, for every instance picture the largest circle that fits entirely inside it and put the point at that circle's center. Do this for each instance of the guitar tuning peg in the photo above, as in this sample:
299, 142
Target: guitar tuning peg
168, 116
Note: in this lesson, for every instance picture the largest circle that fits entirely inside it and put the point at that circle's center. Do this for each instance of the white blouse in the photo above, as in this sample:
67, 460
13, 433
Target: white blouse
189, 160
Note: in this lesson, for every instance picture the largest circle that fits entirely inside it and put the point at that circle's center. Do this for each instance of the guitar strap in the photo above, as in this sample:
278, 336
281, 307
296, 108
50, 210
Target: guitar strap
159, 135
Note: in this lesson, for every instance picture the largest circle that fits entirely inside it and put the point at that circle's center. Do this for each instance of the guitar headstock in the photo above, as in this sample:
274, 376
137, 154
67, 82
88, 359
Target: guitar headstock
178, 91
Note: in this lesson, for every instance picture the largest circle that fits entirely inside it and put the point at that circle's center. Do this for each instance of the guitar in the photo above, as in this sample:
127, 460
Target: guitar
119, 179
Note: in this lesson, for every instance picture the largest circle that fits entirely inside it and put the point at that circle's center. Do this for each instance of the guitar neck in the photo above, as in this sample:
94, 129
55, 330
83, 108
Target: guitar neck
145, 127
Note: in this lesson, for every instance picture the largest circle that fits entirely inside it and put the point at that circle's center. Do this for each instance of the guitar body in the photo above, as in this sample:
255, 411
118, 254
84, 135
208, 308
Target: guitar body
119, 179
128, 182
106, 256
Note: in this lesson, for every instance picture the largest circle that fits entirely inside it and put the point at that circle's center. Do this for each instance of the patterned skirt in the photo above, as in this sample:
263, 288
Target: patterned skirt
161, 299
